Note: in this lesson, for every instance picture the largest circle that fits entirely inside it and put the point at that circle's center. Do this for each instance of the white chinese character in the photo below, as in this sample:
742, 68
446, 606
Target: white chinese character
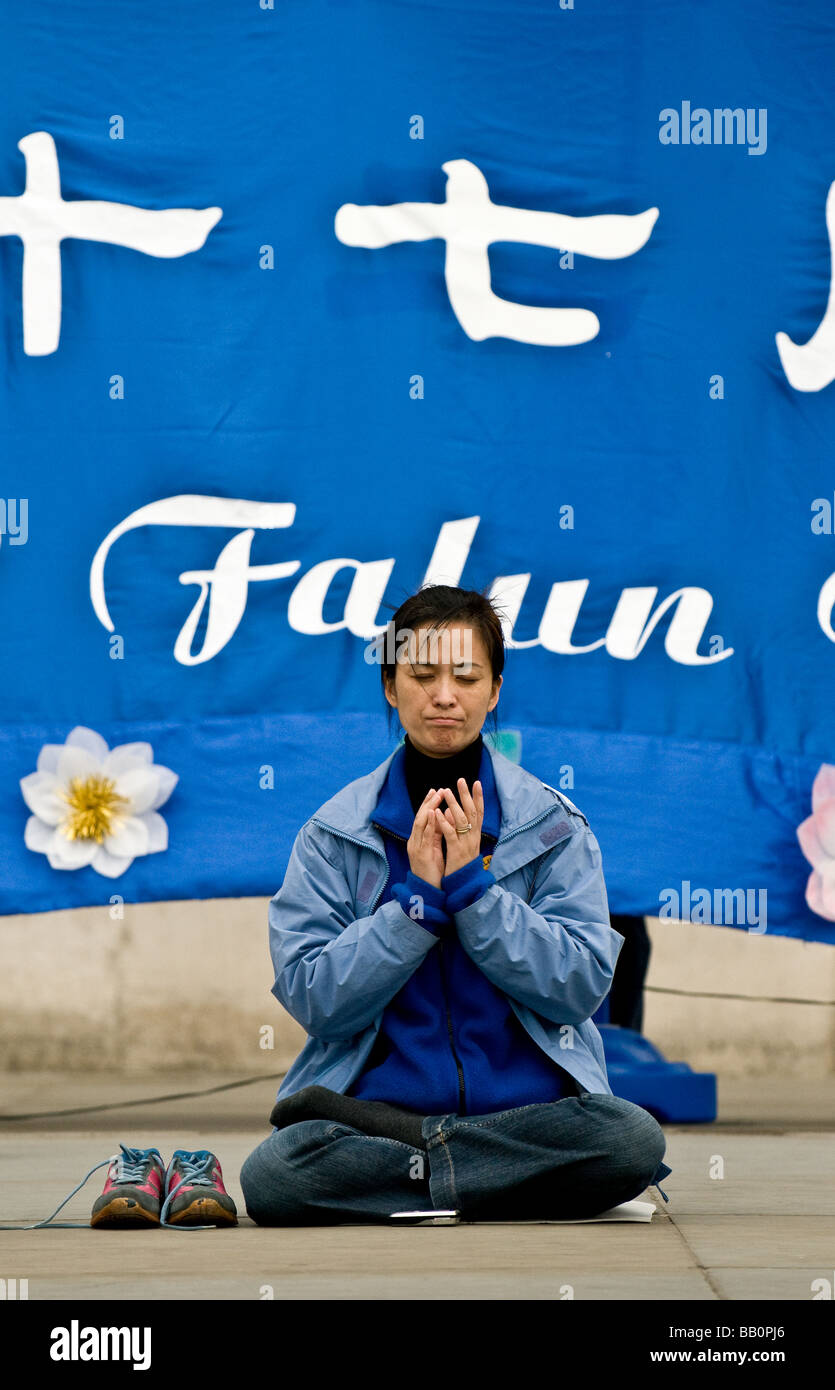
468, 222
42, 219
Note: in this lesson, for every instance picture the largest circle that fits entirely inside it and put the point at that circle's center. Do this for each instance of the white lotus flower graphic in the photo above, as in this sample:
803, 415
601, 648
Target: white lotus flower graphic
95, 805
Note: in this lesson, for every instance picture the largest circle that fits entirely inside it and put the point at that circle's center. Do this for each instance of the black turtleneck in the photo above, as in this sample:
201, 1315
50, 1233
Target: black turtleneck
423, 772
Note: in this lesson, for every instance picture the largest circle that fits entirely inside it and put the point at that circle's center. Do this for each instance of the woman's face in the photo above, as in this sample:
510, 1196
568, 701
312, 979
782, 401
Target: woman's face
443, 703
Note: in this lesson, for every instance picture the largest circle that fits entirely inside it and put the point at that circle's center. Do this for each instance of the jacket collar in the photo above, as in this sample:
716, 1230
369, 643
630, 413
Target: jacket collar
394, 806
521, 796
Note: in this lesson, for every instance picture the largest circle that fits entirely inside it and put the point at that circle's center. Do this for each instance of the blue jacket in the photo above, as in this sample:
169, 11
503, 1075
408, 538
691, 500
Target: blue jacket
535, 924
449, 1040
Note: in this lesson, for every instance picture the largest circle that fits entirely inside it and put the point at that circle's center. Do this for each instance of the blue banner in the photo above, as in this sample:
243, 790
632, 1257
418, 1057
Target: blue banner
307, 304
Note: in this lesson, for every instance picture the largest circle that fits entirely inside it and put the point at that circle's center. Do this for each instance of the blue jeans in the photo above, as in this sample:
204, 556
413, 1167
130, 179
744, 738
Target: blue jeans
567, 1158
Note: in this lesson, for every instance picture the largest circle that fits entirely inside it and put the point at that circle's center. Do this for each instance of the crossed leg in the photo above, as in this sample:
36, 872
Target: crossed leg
568, 1158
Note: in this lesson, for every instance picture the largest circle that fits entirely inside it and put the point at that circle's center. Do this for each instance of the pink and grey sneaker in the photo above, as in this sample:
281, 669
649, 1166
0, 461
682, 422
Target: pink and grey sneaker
133, 1192
194, 1192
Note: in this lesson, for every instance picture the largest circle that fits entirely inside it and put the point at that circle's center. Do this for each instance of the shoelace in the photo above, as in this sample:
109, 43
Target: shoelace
129, 1166
195, 1171
131, 1162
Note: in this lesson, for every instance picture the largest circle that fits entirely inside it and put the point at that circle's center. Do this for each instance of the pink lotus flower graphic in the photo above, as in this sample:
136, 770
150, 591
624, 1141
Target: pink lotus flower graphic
817, 840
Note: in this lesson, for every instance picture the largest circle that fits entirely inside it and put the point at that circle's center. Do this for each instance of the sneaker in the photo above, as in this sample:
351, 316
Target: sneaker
132, 1194
194, 1192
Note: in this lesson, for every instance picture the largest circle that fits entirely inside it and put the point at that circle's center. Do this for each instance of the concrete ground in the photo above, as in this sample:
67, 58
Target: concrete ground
751, 1212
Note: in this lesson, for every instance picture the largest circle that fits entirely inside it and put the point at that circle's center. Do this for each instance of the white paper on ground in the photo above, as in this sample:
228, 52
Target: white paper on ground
627, 1211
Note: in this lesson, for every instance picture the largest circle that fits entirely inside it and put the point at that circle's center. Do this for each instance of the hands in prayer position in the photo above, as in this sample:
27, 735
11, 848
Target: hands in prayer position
436, 832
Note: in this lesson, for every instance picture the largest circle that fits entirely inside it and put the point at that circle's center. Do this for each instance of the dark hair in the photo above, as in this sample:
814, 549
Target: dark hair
434, 605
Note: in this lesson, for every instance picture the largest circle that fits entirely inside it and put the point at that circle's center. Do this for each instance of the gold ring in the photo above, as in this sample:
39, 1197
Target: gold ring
464, 832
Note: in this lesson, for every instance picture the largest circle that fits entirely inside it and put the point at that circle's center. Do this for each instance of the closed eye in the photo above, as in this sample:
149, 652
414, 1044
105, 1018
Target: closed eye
468, 680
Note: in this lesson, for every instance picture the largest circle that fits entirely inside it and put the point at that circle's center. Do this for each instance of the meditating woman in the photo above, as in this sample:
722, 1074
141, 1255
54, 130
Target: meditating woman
443, 936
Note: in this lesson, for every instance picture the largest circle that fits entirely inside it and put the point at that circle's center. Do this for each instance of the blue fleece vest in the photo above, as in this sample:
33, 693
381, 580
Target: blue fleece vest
449, 1041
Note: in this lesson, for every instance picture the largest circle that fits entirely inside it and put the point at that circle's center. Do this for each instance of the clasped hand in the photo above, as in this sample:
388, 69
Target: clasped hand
435, 832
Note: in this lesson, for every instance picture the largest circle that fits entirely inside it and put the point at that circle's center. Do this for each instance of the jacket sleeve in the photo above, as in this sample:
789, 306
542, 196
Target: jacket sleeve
335, 973
557, 953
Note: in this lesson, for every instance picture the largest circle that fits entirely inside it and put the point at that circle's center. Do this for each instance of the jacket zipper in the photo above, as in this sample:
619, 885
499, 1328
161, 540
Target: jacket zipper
373, 848
462, 1098
518, 831
363, 845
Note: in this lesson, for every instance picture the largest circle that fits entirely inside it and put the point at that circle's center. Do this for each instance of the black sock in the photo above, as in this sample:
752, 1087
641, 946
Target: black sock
372, 1117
